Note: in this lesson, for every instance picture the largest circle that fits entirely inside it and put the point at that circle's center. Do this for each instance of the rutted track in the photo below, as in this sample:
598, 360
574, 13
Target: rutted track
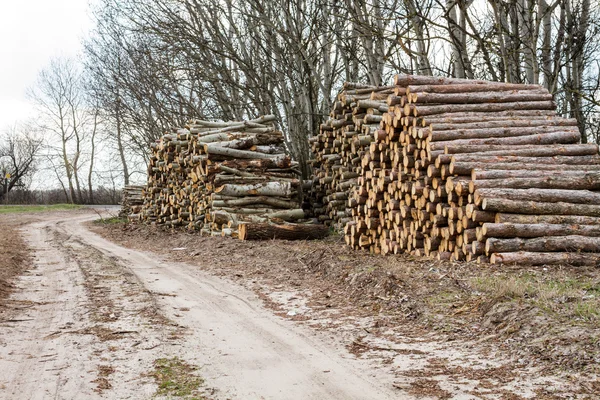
95, 304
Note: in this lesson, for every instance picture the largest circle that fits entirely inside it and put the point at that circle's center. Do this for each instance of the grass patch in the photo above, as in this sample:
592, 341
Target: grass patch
576, 298
176, 378
111, 221
38, 208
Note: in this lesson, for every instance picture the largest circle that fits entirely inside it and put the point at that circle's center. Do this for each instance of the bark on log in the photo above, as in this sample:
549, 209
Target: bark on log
539, 208
406, 80
544, 138
509, 230
585, 181
466, 123
540, 195
469, 87
486, 133
481, 97
258, 231
525, 151
481, 174
465, 168
529, 258
422, 111
280, 189
543, 244
502, 218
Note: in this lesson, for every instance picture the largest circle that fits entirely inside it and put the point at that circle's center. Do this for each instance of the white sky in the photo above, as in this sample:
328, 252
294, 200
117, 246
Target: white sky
31, 33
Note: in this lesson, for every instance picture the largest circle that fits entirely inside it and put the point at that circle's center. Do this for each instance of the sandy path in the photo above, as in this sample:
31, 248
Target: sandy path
244, 351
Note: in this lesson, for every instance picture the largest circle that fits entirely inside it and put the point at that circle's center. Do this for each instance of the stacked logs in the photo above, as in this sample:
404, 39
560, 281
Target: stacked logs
476, 170
339, 147
212, 176
131, 201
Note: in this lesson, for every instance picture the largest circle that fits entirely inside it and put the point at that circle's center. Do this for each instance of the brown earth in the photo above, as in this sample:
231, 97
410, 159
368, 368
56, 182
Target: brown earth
14, 254
537, 322
347, 321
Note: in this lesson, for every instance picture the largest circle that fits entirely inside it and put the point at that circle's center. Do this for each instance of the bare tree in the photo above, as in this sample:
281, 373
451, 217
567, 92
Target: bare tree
19, 151
65, 118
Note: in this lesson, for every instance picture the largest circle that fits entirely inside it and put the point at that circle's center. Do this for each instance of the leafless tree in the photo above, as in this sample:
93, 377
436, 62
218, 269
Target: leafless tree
19, 151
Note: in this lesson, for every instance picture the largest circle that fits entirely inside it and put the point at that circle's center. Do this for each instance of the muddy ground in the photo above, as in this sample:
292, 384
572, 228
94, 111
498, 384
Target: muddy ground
536, 324
14, 254
157, 314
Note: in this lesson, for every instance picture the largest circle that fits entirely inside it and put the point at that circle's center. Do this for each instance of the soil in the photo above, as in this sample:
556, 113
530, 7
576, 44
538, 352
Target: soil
14, 255
417, 319
92, 313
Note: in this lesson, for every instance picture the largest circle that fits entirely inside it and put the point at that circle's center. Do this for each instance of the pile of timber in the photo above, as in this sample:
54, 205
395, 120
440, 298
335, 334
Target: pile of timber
477, 170
131, 201
340, 146
213, 176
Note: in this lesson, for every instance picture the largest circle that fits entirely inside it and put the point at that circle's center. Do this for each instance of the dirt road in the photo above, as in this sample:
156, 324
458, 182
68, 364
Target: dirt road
90, 319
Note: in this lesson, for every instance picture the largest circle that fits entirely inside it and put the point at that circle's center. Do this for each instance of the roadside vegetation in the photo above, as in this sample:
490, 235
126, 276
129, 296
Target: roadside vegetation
37, 208
176, 378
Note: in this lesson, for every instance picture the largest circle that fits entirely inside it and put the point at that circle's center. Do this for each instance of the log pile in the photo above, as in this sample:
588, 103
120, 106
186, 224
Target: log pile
476, 170
131, 201
212, 176
341, 144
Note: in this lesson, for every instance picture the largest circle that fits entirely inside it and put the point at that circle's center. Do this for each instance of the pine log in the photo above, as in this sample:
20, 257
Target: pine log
543, 138
525, 151
466, 168
482, 174
501, 218
487, 158
485, 133
481, 97
244, 154
543, 244
529, 258
265, 231
246, 201
258, 164
505, 122
469, 87
585, 181
473, 116
406, 80
539, 208
280, 189
540, 195
510, 230
417, 110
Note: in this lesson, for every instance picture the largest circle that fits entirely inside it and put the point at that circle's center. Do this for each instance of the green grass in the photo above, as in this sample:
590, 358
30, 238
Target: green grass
111, 221
176, 378
38, 208
567, 296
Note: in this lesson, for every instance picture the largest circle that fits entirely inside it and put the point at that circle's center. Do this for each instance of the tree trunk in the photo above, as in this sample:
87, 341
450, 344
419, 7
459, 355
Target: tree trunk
265, 231
528, 258
281, 189
423, 111
510, 230
539, 208
572, 243
541, 139
481, 97
502, 218
540, 195
526, 151
584, 181
484, 133
543, 164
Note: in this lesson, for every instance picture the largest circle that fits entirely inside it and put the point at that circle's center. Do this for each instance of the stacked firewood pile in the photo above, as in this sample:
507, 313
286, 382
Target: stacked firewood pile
213, 176
476, 170
131, 201
341, 144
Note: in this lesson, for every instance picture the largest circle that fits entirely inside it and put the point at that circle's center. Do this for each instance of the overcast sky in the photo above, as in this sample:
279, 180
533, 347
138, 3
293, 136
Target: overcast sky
31, 33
